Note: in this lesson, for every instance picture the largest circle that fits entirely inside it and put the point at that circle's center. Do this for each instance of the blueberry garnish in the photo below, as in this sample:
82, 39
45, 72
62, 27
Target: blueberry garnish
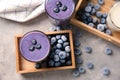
38, 46
64, 8
58, 4
31, 48
56, 10
34, 42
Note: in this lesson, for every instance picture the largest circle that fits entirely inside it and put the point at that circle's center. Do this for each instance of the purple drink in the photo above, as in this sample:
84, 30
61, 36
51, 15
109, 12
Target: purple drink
34, 46
59, 11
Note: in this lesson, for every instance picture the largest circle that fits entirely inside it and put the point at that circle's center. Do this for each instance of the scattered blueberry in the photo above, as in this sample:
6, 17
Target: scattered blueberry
76, 73
108, 51
60, 41
77, 52
62, 55
67, 49
38, 46
31, 48
64, 8
76, 43
64, 38
56, 10
56, 58
100, 27
108, 31
90, 65
97, 6
101, 2
78, 34
58, 4
98, 14
88, 9
79, 61
106, 71
65, 44
34, 42
102, 20
91, 25
81, 69
51, 63
37, 65
59, 46
88, 49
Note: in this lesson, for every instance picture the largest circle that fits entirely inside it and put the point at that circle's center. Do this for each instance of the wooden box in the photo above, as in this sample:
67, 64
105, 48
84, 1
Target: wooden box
114, 38
24, 66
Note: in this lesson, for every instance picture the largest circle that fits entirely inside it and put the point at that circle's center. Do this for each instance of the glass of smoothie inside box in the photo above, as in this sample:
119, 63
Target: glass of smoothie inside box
59, 11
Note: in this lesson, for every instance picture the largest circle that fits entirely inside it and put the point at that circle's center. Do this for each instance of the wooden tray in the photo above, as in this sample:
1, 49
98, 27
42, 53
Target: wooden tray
114, 38
24, 66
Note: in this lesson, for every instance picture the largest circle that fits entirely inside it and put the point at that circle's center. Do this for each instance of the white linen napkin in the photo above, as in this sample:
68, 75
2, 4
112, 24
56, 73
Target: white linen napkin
21, 10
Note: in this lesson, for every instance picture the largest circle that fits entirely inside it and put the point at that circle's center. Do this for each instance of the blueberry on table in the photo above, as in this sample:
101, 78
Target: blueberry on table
56, 10
34, 42
56, 58
100, 27
100, 2
106, 71
38, 46
81, 69
108, 31
37, 65
98, 14
90, 65
88, 9
97, 6
91, 25
67, 49
64, 38
57, 64
78, 60
51, 63
76, 73
102, 20
108, 51
65, 44
88, 49
64, 8
58, 4
62, 55
77, 52
76, 43
59, 46
31, 48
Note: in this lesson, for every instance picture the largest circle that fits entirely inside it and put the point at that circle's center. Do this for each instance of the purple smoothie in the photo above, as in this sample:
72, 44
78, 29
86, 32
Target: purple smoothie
61, 17
38, 54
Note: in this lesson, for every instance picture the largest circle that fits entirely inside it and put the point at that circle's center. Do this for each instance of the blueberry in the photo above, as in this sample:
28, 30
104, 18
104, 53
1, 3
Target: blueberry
58, 4
78, 34
68, 62
57, 51
95, 20
79, 61
49, 37
34, 42
53, 39
57, 64
88, 9
83, 17
88, 49
90, 4
76, 73
65, 44
76, 43
91, 25
56, 58
31, 48
98, 14
81, 69
59, 46
58, 28
51, 54
89, 19
62, 55
53, 28
108, 31
93, 11
60, 41
101, 2
103, 21
58, 36
67, 54
90, 65
105, 71
87, 14
38, 46
104, 15
67, 49
51, 63
37, 65
64, 8
97, 6
56, 10
108, 51
100, 27
64, 38
63, 61
78, 52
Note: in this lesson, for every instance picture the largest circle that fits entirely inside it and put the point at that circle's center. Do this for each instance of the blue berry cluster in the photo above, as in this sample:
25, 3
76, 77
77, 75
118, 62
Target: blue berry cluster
92, 16
60, 6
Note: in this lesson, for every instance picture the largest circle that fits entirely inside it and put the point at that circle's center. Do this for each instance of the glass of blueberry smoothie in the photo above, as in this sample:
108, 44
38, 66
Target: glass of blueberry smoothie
59, 11
34, 46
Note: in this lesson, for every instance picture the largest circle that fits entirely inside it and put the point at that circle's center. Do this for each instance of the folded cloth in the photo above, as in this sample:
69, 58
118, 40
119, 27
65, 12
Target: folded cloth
21, 10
